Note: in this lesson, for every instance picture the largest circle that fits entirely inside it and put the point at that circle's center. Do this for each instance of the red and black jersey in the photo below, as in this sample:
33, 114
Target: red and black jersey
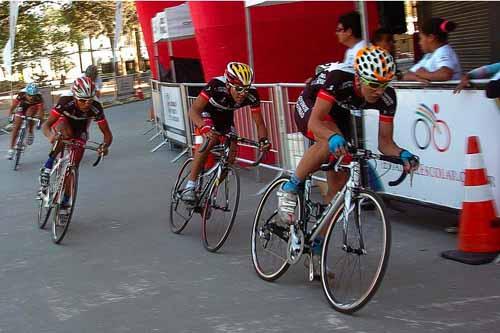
67, 107
23, 104
337, 87
221, 104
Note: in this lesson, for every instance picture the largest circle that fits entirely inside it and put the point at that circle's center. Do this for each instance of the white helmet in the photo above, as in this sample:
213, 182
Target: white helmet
375, 64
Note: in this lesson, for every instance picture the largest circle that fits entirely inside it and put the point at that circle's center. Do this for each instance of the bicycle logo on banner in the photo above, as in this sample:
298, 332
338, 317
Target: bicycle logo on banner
428, 129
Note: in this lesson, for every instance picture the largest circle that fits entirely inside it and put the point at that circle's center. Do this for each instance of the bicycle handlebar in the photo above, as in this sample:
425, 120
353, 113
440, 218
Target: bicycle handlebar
36, 120
233, 137
366, 155
75, 143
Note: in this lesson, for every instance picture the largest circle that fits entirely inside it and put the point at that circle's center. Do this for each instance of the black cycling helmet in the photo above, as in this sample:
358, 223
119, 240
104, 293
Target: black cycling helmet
91, 72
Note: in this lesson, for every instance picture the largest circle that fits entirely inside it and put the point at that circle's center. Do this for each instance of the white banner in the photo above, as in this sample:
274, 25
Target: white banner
118, 28
9, 47
174, 113
178, 22
435, 125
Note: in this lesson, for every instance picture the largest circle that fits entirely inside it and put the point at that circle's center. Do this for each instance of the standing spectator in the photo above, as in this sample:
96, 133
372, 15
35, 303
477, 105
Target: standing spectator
440, 62
349, 34
384, 38
484, 72
93, 74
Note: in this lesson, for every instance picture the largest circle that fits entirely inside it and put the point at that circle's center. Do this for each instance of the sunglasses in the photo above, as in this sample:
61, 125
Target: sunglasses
239, 89
84, 100
374, 85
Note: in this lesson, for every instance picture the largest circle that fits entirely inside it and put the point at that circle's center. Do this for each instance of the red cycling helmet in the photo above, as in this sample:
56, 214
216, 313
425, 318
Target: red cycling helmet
83, 88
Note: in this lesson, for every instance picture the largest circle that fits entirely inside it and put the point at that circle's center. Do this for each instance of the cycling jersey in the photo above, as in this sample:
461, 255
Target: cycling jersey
337, 86
79, 120
22, 103
221, 104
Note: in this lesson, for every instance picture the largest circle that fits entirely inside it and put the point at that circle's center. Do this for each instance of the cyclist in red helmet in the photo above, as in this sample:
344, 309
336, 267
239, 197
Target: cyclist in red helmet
70, 119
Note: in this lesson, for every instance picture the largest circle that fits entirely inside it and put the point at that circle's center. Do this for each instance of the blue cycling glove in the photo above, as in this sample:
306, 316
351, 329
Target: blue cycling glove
409, 159
406, 156
336, 142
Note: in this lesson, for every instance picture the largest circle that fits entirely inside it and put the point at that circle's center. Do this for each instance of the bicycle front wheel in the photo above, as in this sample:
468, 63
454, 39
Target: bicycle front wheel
270, 235
355, 253
180, 213
62, 215
220, 209
19, 148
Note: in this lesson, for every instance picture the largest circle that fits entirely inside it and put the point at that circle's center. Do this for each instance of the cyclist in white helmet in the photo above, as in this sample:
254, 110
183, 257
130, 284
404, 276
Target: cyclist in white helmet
322, 114
70, 119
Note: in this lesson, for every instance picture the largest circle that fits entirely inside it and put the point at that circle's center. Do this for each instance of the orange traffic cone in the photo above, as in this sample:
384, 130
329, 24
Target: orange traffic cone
479, 228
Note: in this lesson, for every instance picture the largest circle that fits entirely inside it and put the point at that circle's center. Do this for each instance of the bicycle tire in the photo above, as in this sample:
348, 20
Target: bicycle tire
175, 199
43, 214
19, 147
58, 235
208, 213
258, 234
330, 279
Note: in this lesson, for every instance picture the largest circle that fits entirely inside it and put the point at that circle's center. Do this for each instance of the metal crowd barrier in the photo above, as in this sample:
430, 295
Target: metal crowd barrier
108, 93
289, 145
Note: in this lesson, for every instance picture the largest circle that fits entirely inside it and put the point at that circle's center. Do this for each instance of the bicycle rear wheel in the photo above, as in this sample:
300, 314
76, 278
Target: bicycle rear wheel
19, 148
180, 213
220, 210
270, 235
352, 271
60, 223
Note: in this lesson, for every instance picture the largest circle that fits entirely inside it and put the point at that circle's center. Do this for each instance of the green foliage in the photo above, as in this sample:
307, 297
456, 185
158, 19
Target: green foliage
46, 29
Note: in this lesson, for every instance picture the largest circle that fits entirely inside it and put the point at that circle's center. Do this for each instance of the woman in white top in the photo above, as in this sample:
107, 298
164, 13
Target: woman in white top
440, 62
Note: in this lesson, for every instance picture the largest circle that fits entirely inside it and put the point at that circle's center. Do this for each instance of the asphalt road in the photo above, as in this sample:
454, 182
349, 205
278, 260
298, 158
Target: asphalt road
120, 269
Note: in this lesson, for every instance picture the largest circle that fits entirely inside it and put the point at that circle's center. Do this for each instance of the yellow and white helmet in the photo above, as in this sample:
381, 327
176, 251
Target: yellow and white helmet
239, 74
375, 64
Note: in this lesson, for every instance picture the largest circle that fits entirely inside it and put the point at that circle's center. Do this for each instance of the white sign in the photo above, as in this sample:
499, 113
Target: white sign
125, 86
174, 114
178, 22
9, 47
155, 28
159, 25
435, 125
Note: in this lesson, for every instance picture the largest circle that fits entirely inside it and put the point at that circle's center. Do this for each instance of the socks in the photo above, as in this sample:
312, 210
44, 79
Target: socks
190, 184
293, 184
65, 200
50, 163
317, 245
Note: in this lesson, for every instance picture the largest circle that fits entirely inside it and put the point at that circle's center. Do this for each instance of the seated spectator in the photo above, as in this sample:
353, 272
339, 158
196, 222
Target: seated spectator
440, 62
484, 72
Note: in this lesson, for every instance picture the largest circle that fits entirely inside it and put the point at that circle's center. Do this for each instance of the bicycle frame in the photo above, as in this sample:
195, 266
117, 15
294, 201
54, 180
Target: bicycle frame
344, 195
215, 172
